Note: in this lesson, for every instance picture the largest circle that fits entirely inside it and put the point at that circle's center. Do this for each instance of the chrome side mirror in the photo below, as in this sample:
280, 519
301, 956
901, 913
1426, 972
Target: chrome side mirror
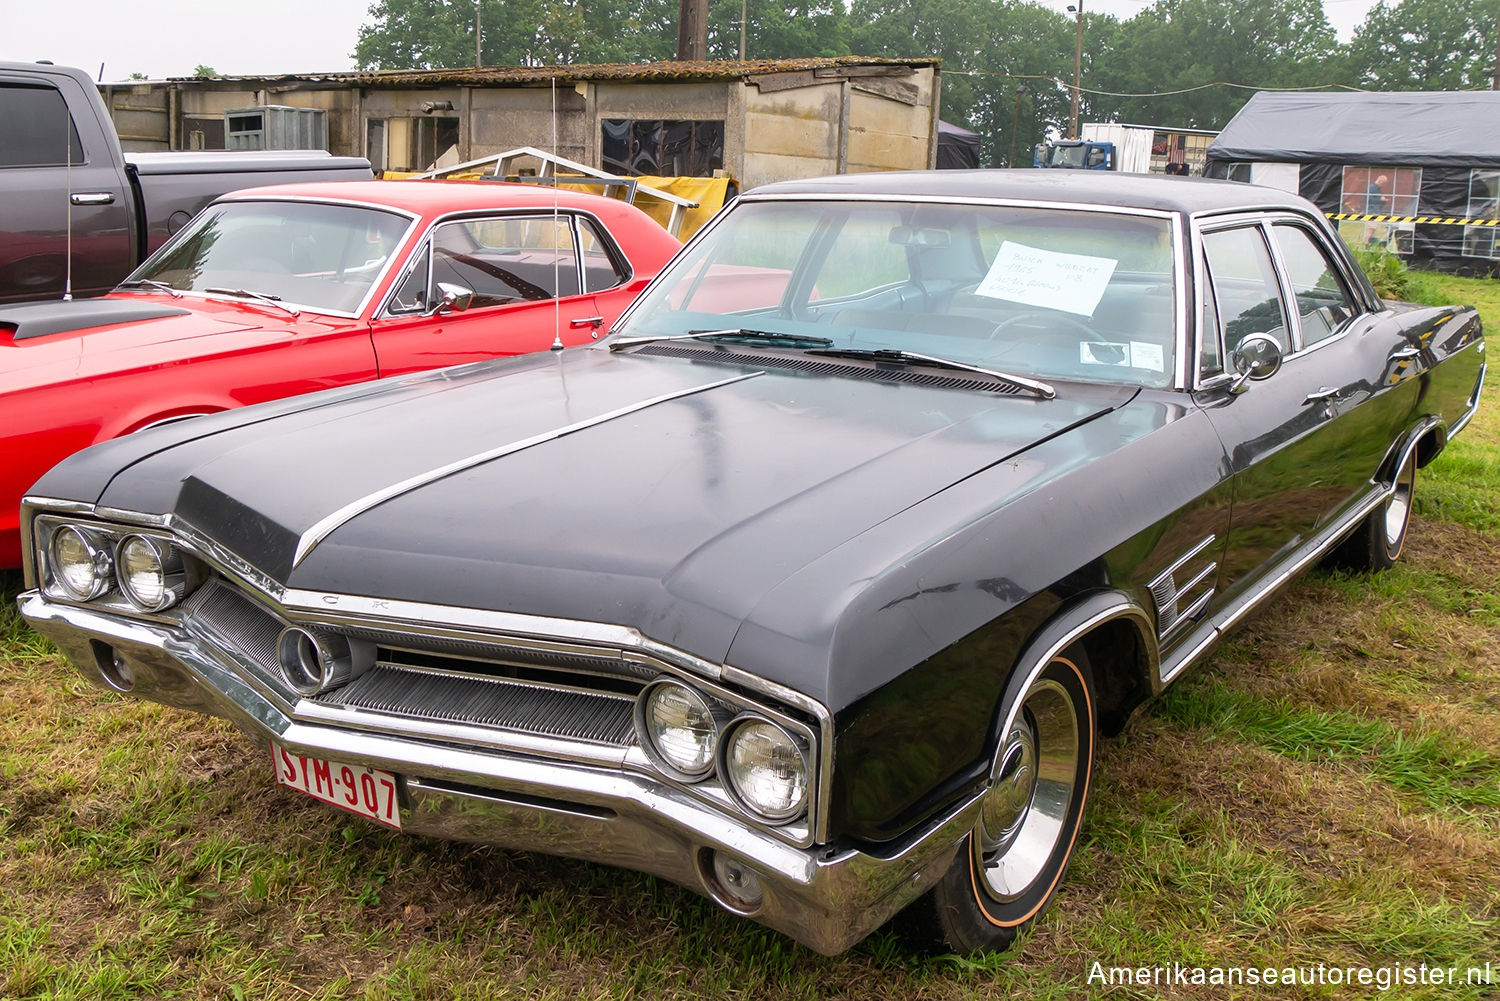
452, 298
1256, 357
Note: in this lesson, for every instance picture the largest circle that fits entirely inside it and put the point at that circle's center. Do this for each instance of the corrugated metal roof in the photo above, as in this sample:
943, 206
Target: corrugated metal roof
724, 69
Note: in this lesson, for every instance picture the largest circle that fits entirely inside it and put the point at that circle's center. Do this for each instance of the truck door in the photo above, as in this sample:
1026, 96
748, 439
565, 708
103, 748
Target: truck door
40, 190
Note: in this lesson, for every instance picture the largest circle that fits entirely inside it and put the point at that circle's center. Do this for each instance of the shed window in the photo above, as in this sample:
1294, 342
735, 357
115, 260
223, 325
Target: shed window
1484, 203
662, 148
1380, 191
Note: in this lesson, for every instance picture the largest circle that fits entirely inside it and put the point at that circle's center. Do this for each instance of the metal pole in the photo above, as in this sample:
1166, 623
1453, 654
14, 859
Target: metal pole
1077, 67
1015, 125
478, 35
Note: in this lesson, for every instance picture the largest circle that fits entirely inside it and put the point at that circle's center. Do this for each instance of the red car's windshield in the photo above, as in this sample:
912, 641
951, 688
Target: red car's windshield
306, 254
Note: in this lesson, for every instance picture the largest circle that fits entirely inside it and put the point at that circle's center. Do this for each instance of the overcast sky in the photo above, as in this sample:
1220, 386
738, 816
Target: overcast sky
162, 38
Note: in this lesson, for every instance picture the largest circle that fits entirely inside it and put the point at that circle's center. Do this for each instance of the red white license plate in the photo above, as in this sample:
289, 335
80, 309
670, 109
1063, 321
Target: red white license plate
368, 792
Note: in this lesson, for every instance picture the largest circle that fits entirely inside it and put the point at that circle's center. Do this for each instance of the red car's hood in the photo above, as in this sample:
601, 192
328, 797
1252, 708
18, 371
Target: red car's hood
68, 355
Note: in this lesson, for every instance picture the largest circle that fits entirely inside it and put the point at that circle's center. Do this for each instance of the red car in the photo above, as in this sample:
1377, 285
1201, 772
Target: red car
276, 291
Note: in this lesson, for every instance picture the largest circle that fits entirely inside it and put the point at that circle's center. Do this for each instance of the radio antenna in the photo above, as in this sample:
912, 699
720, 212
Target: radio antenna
68, 184
557, 341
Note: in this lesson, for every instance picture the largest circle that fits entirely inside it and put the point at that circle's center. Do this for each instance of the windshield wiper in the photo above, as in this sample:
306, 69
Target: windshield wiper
739, 334
150, 283
244, 293
1041, 389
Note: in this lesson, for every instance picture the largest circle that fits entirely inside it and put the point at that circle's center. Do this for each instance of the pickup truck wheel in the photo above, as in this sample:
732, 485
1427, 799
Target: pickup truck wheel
1377, 543
1010, 865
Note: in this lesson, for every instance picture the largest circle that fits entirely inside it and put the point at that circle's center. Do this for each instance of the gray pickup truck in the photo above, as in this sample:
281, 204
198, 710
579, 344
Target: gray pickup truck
122, 205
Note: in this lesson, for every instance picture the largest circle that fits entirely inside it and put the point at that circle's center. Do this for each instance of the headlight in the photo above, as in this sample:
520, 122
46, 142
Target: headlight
78, 564
149, 573
678, 729
765, 769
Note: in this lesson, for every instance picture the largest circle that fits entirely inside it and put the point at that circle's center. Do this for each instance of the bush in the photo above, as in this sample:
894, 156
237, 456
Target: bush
1394, 280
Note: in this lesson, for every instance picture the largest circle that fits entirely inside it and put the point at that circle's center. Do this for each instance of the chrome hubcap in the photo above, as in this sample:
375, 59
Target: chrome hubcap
1021, 819
1398, 509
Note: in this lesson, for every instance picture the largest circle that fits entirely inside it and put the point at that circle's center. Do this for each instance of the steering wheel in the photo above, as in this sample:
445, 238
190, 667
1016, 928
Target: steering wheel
1049, 319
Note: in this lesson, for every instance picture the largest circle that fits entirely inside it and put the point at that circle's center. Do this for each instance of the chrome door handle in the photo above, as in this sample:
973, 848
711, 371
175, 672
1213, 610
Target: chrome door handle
587, 321
92, 198
1404, 354
1319, 395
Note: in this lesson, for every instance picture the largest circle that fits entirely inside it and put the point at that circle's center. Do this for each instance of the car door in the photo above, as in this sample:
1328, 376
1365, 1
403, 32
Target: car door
516, 282
60, 197
1297, 453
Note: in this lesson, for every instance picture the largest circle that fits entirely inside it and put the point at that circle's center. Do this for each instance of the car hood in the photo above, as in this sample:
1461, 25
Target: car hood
661, 494
71, 352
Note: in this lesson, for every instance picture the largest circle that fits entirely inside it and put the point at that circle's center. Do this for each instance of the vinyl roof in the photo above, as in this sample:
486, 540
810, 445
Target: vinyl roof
1416, 128
1084, 187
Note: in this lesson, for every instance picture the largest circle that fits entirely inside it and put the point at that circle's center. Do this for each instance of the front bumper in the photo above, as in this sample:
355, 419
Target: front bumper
824, 897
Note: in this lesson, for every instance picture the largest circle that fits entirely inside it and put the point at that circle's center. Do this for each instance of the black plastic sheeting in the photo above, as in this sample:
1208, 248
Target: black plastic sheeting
1444, 192
1446, 135
1408, 129
958, 148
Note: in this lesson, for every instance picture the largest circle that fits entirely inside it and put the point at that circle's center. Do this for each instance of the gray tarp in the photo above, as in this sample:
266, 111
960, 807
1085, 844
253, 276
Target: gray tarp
1416, 129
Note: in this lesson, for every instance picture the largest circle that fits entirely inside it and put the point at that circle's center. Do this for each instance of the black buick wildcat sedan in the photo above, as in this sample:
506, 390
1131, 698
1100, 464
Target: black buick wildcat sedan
811, 586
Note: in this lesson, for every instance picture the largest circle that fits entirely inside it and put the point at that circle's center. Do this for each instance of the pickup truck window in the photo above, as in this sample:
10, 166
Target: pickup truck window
36, 121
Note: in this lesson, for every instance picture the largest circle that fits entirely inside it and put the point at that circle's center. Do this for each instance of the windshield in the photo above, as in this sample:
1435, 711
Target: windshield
322, 257
1045, 292
1067, 156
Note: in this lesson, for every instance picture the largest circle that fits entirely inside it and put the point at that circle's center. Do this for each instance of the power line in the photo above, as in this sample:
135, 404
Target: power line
1163, 93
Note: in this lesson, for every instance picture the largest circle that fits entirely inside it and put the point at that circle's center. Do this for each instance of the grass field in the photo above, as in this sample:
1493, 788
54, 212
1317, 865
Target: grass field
1325, 790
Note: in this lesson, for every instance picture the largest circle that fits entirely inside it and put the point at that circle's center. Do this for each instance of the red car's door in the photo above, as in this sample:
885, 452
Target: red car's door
526, 277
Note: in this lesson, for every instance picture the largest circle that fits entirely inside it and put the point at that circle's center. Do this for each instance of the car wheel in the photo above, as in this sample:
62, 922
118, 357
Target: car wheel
1377, 543
1011, 863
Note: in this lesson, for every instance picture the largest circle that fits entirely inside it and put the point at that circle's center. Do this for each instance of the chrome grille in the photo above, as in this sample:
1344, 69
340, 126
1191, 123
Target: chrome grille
503, 653
236, 620
441, 697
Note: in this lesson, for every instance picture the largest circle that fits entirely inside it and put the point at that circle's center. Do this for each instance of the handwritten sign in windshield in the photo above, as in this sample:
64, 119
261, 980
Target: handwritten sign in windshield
1073, 283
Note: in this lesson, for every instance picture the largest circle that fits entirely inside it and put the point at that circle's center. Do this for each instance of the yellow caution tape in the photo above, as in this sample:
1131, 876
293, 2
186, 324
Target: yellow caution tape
1429, 220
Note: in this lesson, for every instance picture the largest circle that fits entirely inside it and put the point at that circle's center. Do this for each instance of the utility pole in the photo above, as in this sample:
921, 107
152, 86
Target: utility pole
1015, 125
478, 35
692, 30
1077, 62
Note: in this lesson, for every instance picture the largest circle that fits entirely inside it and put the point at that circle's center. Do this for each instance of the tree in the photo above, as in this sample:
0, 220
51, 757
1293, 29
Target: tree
988, 50
1177, 45
203, 71
1426, 45
778, 29
439, 34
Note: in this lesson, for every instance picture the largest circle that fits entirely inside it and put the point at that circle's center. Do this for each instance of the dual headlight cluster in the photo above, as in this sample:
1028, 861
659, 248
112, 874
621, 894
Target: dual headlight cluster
85, 562
761, 764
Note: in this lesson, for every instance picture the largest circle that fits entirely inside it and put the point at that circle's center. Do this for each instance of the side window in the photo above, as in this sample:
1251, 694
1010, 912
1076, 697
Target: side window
1244, 282
1323, 303
600, 271
507, 258
1210, 346
411, 291
38, 128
